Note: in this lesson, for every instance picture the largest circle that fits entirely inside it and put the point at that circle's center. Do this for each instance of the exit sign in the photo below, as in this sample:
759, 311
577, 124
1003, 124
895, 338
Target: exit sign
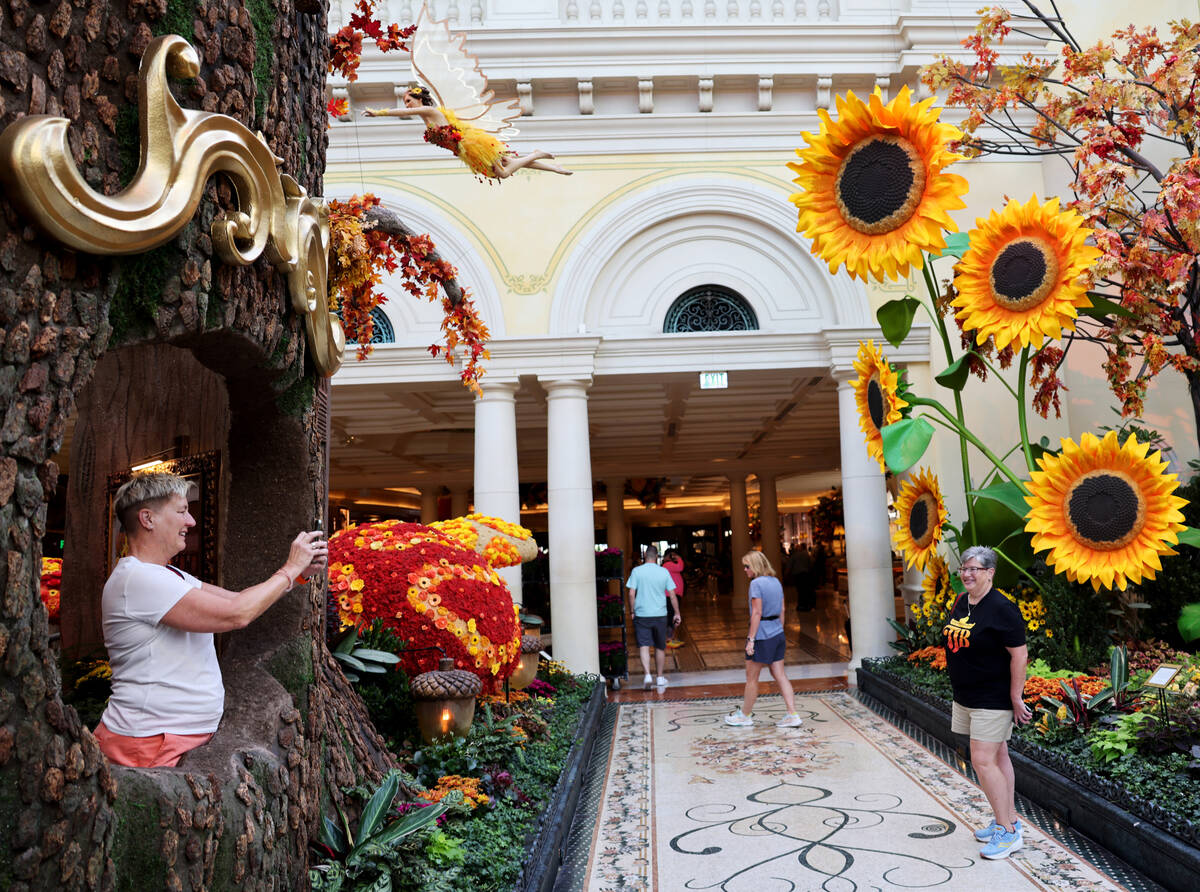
714, 380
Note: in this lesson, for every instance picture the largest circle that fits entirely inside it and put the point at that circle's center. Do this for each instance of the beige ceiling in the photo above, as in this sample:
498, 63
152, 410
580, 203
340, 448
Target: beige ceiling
406, 437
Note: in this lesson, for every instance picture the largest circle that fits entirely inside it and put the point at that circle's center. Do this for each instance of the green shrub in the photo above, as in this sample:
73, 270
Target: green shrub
1078, 615
1178, 582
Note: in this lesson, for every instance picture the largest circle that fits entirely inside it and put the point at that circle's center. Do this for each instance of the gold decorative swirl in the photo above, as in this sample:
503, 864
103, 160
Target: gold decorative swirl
526, 283
180, 149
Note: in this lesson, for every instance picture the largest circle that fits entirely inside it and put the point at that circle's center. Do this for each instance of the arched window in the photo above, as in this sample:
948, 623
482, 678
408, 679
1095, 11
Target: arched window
382, 333
710, 308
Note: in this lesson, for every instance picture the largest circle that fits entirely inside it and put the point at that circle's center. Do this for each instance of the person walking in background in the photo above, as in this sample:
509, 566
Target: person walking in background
673, 564
986, 656
799, 574
765, 643
650, 587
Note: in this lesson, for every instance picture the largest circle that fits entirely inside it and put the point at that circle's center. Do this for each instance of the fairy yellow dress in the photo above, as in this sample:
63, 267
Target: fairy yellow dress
477, 148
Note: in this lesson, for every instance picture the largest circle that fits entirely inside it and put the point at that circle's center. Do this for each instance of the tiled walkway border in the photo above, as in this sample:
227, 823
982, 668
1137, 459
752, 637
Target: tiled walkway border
574, 871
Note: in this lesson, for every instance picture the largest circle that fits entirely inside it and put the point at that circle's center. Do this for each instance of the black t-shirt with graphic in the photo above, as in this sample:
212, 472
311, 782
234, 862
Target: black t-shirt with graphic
976, 654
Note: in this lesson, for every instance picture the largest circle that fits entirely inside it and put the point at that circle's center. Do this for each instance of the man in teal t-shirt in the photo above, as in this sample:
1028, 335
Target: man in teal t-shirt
649, 587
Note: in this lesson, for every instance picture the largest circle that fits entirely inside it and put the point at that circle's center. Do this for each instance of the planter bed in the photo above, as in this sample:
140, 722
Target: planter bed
548, 844
1155, 841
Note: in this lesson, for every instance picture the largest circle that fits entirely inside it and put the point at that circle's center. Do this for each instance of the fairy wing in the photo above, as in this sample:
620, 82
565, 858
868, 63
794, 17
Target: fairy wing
441, 61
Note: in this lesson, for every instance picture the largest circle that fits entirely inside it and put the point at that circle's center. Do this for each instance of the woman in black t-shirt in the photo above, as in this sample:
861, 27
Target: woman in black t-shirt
986, 656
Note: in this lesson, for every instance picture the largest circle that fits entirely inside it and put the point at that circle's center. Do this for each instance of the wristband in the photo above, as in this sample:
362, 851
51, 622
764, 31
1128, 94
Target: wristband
287, 579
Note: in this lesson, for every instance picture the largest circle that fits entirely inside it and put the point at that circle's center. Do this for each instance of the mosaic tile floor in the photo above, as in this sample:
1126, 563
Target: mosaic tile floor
678, 800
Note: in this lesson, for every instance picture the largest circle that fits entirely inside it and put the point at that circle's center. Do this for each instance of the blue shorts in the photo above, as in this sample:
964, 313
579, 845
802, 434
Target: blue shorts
768, 650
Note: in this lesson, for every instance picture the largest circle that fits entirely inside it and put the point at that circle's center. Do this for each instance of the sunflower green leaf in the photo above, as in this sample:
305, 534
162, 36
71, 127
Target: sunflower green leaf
896, 318
904, 442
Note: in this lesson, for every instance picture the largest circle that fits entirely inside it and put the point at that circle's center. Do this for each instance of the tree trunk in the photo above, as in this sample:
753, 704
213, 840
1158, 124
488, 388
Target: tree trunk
238, 812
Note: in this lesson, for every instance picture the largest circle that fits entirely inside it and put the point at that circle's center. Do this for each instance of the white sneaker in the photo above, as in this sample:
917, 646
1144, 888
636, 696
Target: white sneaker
791, 720
662, 681
738, 720
648, 682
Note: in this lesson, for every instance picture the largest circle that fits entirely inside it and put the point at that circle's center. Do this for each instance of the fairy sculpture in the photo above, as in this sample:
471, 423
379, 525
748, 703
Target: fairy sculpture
460, 113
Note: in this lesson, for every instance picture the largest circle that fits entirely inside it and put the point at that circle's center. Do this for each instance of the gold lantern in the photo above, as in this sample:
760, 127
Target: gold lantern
531, 647
445, 700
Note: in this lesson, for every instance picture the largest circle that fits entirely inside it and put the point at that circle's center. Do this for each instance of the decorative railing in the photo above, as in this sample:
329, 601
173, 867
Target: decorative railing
582, 13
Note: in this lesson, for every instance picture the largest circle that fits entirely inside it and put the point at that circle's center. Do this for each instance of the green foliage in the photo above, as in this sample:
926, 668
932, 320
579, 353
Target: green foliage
1077, 614
1118, 740
1177, 583
908, 640
1165, 781
298, 398
1039, 668
827, 516
179, 18
139, 291
449, 755
262, 17
1178, 731
366, 856
896, 318
359, 660
904, 442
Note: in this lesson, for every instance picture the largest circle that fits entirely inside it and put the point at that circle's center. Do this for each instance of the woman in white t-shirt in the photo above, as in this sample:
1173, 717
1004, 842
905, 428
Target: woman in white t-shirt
167, 693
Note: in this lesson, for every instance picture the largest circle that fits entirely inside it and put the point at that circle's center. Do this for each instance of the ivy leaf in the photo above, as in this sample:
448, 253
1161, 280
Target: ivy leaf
1189, 622
957, 244
955, 375
1189, 536
1006, 493
1102, 307
896, 319
905, 442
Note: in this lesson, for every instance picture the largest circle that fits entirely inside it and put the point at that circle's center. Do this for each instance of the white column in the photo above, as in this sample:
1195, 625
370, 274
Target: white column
429, 499
572, 524
496, 477
739, 538
868, 543
768, 513
614, 494
458, 501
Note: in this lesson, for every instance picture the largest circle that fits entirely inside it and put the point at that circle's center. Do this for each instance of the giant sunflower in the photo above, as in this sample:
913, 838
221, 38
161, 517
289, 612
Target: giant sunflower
922, 514
873, 191
876, 391
1022, 278
1104, 511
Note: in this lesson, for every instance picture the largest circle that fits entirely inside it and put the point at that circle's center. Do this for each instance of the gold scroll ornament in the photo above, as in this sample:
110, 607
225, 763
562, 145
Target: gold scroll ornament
180, 150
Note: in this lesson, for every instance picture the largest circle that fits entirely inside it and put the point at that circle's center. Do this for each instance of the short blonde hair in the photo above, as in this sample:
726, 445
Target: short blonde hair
758, 563
149, 488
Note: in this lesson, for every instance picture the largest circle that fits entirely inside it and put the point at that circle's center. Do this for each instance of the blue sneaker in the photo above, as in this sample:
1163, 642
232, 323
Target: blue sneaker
1003, 844
984, 834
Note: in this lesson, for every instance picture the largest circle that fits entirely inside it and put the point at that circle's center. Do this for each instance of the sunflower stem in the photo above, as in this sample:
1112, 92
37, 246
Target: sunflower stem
1022, 420
1037, 585
955, 425
931, 287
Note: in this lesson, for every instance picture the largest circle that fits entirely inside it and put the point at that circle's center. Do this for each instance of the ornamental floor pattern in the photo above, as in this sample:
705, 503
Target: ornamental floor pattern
677, 800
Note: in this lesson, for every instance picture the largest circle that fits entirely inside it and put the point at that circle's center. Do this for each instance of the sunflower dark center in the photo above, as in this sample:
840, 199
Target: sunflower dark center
1105, 510
921, 519
880, 184
875, 402
1023, 274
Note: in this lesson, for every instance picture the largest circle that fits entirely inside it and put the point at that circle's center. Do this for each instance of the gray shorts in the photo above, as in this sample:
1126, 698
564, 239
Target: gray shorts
768, 650
650, 631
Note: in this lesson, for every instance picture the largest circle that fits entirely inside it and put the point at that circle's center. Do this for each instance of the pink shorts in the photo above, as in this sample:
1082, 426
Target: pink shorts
156, 751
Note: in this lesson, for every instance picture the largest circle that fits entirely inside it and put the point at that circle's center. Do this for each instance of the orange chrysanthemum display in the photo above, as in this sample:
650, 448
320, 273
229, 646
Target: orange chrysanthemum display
874, 193
922, 515
877, 394
1023, 278
1106, 512
430, 589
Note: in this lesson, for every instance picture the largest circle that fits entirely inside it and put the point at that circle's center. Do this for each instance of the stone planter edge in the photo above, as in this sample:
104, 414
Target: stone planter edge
1148, 848
544, 855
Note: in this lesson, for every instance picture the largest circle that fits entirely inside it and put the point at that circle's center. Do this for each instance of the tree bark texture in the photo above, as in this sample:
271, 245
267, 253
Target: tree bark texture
238, 812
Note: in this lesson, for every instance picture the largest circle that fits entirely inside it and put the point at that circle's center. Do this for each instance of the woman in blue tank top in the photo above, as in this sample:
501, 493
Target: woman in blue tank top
765, 642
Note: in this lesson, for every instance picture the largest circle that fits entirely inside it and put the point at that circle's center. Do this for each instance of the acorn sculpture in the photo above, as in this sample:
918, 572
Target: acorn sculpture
444, 700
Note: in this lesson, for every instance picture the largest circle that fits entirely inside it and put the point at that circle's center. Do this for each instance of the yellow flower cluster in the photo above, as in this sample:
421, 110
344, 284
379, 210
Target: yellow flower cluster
509, 529
937, 598
1032, 607
472, 795
460, 529
501, 700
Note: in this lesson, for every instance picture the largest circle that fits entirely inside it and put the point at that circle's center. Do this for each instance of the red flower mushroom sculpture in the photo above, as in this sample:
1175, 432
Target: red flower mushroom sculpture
435, 585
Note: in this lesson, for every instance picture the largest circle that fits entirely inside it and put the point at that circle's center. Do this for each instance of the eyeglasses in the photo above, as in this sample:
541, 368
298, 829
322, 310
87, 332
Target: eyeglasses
971, 571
